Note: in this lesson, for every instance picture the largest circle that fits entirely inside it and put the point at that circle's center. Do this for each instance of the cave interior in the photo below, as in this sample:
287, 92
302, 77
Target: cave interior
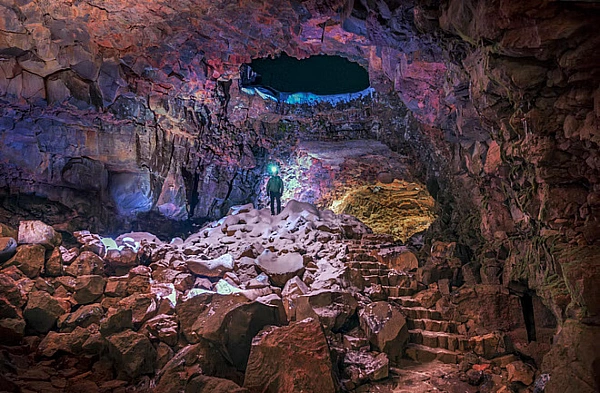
440, 225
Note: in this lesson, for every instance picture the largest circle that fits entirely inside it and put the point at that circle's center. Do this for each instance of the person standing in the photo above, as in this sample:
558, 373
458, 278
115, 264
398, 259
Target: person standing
275, 190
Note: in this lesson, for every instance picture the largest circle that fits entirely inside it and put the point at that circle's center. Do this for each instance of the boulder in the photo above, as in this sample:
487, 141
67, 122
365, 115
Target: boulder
12, 298
228, 320
139, 280
132, 353
84, 316
12, 331
163, 328
8, 248
116, 286
42, 311
211, 267
363, 366
121, 260
116, 320
386, 328
54, 264
36, 232
88, 289
86, 263
173, 377
280, 268
520, 372
72, 342
293, 288
90, 242
290, 359
331, 308
29, 259
143, 306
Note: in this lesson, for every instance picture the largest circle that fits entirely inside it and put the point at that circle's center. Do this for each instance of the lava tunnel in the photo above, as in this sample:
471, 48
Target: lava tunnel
437, 163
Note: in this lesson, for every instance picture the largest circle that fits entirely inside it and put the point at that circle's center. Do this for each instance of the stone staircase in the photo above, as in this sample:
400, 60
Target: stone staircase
431, 337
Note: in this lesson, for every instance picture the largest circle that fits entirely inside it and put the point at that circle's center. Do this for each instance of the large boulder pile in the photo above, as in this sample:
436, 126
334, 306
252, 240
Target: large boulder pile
252, 302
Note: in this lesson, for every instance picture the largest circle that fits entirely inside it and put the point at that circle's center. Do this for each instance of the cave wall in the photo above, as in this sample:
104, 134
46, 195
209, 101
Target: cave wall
105, 106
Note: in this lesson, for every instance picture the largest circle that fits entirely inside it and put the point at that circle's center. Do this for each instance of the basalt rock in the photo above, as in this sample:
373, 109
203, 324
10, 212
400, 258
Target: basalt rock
42, 311
132, 353
36, 232
386, 328
290, 359
29, 259
331, 308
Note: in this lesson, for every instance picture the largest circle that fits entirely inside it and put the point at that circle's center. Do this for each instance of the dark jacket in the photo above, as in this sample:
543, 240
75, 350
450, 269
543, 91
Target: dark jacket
275, 185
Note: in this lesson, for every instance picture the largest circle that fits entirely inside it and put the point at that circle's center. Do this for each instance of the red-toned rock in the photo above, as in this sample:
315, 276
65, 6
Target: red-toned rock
89, 288
520, 372
280, 268
362, 366
120, 261
292, 289
206, 384
132, 353
72, 342
229, 321
90, 242
211, 267
42, 311
30, 259
331, 308
164, 328
87, 263
204, 356
386, 328
12, 298
143, 306
12, 330
84, 316
54, 264
290, 359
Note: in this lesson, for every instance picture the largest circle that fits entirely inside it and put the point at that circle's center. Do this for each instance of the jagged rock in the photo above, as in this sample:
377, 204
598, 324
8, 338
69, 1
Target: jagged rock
68, 255
230, 321
84, 316
132, 353
116, 286
385, 326
42, 311
355, 339
139, 280
398, 258
54, 264
204, 356
90, 242
520, 372
12, 298
290, 359
29, 259
164, 353
331, 308
206, 384
116, 319
292, 289
361, 366
280, 268
36, 232
8, 248
121, 260
12, 331
88, 289
164, 328
87, 263
143, 306
489, 345
72, 342
212, 267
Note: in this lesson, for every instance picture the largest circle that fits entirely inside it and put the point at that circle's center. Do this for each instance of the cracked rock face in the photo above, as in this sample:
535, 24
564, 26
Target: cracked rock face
115, 115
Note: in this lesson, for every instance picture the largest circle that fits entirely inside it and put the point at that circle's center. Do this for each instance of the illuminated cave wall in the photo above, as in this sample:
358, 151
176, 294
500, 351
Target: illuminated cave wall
496, 103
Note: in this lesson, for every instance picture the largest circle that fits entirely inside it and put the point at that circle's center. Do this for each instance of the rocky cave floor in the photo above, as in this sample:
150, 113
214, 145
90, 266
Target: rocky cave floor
305, 301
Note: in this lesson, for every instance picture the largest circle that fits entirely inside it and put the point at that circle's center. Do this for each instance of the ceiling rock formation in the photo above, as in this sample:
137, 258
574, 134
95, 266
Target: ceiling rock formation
113, 112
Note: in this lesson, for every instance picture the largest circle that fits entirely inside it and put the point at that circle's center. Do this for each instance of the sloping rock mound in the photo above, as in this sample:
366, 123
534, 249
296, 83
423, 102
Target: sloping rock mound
282, 268
230, 321
290, 359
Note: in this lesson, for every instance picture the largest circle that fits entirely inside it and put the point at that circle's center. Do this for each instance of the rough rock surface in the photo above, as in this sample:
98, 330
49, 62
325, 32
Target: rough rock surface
290, 359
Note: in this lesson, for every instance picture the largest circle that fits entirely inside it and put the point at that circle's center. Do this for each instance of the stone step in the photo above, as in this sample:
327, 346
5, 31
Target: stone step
362, 256
396, 292
449, 341
364, 265
420, 313
406, 301
370, 280
432, 325
423, 354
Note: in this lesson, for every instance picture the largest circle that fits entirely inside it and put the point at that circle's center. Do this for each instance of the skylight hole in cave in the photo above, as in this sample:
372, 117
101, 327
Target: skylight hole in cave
317, 78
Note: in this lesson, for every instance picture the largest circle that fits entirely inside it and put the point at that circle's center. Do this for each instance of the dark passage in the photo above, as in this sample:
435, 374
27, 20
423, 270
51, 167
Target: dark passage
322, 75
527, 305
